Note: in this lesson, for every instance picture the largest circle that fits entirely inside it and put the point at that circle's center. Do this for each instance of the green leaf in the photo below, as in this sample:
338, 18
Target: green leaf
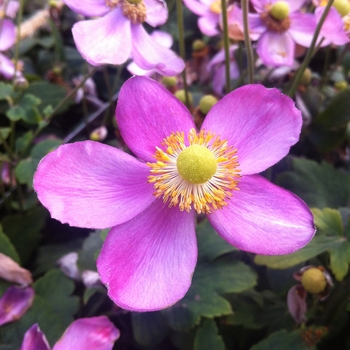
328, 221
6, 91
340, 259
210, 244
282, 340
203, 298
49, 94
329, 127
5, 132
29, 104
318, 245
16, 113
24, 231
207, 337
23, 141
7, 248
319, 185
91, 247
56, 289
149, 328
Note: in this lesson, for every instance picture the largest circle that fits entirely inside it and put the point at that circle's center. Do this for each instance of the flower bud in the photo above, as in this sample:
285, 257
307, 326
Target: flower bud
206, 103
313, 280
198, 45
181, 95
169, 82
306, 77
341, 85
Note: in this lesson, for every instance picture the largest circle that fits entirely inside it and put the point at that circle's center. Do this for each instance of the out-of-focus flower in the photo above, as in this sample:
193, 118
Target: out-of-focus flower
97, 333
162, 38
12, 272
217, 68
149, 255
8, 8
68, 265
99, 134
209, 12
314, 280
333, 28
88, 88
15, 303
281, 25
119, 34
7, 39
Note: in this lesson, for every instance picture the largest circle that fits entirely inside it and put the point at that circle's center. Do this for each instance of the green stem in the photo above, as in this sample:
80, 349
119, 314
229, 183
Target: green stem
180, 24
226, 45
310, 50
247, 42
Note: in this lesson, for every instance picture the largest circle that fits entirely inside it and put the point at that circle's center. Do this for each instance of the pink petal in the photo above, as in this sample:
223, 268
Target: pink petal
148, 54
15, 303
134, 69
302, 28
294, 5
162, 38
148, 262
7, 67
208, 24
89, 8
156, 12
333, 27
12, 272
147, 113
261, 123
11, 7
34, 339
196, 7
263, 218
97, 333
89, 184
8, 34
106, 40
260, 5
296, 301
276, 49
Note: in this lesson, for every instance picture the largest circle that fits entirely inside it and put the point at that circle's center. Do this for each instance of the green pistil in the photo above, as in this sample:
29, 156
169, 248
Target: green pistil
196, 164
342, 6
279, 10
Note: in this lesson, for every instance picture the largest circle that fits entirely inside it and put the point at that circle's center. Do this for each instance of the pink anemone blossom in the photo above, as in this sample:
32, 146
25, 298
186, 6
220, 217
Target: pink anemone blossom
7, 39
282, 25
8, 8
209, 12
97, 333
149, 255
119, 34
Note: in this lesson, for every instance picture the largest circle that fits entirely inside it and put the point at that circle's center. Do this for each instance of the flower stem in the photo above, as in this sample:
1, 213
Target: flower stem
247, 42
226, 45
310, 50
180, 24
19, 21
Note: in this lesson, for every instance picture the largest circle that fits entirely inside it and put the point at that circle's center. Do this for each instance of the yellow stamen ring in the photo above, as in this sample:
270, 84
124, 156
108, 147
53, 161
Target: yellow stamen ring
218, 175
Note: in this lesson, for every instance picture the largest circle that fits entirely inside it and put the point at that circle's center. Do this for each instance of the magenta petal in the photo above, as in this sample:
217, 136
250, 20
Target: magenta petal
148, 262
208, 24
333, 27
263, 218
90, 8
15, 303
34, 339
276, 49
89, 184
97, 333
302, 28
261, 123
7, 67
196, 7
106, 40
156, 12
148, 54
8, 35
147, 113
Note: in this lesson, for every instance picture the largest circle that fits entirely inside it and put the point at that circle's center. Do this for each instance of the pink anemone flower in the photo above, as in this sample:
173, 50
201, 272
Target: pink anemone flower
209, 12
97, 333
119, 34
281, 25
149, 255
7, 39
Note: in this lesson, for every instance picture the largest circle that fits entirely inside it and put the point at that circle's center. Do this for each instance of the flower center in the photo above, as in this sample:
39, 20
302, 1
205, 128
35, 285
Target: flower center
134, 10
196, 164
276, 17
215, 7
342, 6
202, 174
